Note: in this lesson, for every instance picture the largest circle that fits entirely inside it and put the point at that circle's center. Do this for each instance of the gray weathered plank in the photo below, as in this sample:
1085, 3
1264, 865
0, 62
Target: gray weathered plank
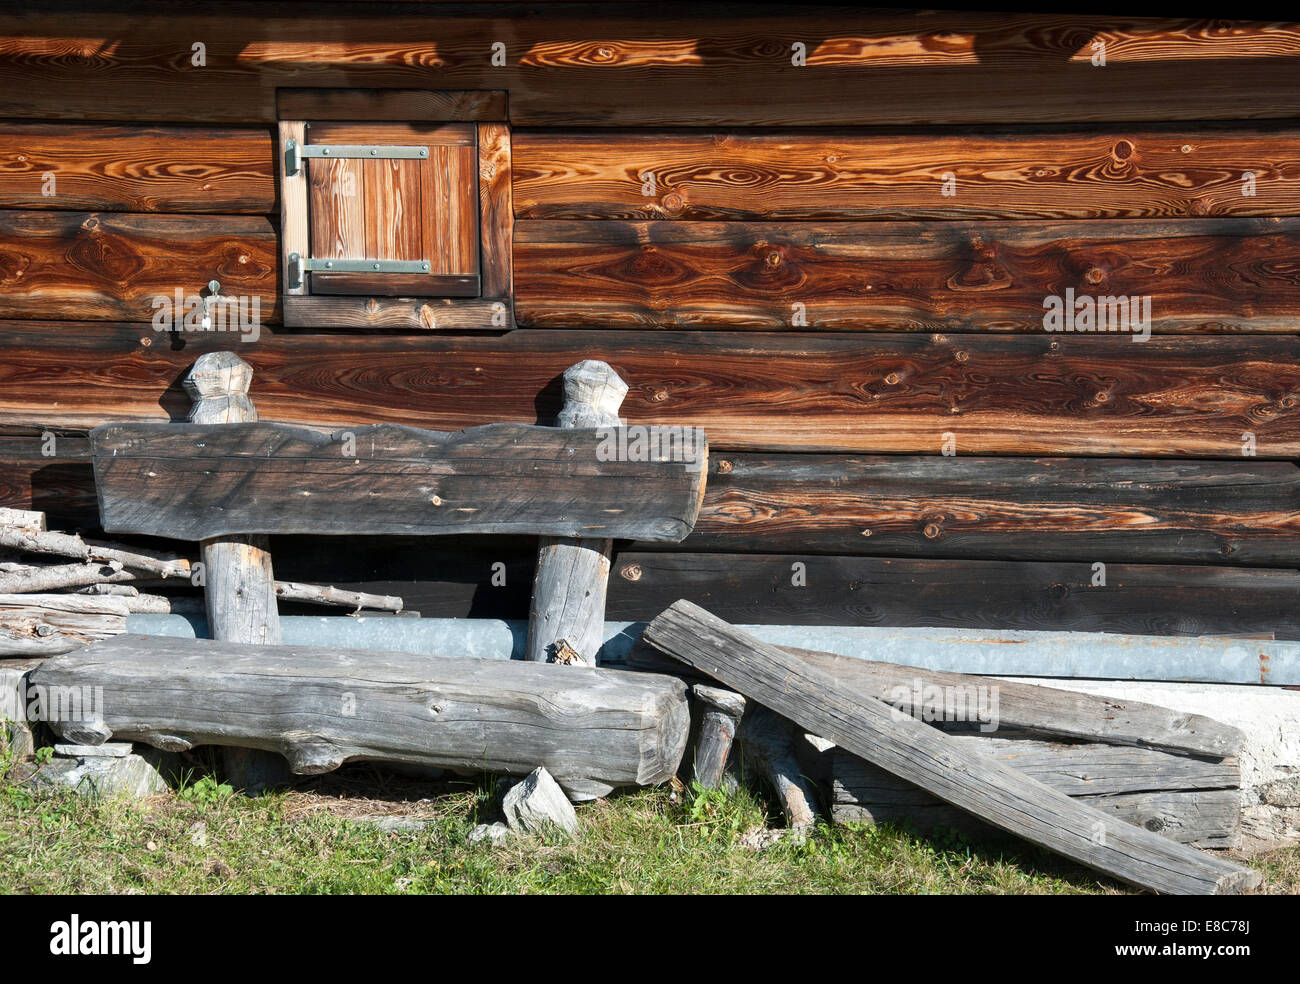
914, 751
592, 729
1193, 801
1027, 707
191, 482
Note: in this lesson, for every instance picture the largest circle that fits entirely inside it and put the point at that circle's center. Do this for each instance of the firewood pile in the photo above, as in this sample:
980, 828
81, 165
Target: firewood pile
59, 592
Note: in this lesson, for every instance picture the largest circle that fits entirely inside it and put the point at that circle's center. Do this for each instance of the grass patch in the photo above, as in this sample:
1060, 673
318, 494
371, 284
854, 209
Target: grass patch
316, 839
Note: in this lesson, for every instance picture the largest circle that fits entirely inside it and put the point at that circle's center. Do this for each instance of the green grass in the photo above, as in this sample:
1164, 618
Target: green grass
203, 839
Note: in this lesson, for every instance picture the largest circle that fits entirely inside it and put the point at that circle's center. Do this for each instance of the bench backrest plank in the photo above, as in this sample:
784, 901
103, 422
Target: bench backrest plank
190, 481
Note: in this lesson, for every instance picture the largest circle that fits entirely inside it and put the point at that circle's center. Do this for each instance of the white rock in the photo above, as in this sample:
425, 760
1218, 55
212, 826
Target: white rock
536, 802
495, 834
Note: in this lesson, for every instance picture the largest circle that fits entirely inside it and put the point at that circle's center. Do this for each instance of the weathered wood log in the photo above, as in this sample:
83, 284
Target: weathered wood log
1110, 510
330, 595
238, 582
720, 714
1044, 711
572, 575
1116, 172
925, 756
49, 624
1192, 801
1185, 275
91, 551
56, 576
997, 394
192, 482
768, 741
23, 519
592, 729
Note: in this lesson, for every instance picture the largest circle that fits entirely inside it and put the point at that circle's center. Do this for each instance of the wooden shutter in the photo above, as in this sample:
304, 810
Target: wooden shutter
378, 208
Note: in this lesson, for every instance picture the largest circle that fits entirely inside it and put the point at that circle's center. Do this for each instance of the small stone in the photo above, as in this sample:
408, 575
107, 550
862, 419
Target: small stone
495, 834
537, 802
760, 838
394, 825
135, 776
199, 834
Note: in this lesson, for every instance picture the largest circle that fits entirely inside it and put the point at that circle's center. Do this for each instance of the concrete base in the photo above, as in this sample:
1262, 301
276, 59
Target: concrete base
1270, 762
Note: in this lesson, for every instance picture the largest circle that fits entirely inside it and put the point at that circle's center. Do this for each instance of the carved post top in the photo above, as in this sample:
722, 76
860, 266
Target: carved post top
728, 702
593, 393
218, 383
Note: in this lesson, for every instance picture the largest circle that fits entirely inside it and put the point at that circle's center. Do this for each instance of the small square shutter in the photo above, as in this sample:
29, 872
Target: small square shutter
379, 208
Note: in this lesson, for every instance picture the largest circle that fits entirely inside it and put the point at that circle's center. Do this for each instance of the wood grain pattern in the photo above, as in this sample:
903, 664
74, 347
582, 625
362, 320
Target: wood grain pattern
592, 729
914, 751
103, 266
1027, 395
411, 314
1232, 275
295, 223
1105, 509
398, 209
496, 208
192, 482
391, 105
1117, 172
136, 168
653, 65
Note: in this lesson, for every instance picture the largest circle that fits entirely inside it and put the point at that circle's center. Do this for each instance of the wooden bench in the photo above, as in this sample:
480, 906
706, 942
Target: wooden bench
228, 481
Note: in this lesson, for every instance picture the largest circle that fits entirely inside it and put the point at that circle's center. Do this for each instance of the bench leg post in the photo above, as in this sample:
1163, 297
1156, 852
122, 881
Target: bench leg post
568, 602
239, 584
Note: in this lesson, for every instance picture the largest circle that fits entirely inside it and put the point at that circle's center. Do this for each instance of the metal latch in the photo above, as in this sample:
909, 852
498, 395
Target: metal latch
295, 153
298, 265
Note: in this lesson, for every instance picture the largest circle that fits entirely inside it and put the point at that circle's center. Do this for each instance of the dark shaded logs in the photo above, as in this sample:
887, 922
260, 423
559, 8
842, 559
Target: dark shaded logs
660, 64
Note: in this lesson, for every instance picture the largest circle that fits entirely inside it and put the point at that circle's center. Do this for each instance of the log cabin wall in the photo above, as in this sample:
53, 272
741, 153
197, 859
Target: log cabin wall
824, 235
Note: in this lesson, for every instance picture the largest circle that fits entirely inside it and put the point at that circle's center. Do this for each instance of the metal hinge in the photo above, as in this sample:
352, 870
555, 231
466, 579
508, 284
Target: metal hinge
298, 265
295, 153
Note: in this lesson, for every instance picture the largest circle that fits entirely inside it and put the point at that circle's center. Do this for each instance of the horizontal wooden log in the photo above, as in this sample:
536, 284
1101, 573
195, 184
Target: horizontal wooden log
105, 266
1244, 511
1191, 801
662, 64
592, 729
1107, 510
192, 482
49, 624
1200, 275
802, 589
391, 105
1029, 395
95, 168
912, 750
23, 519
1118, 172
